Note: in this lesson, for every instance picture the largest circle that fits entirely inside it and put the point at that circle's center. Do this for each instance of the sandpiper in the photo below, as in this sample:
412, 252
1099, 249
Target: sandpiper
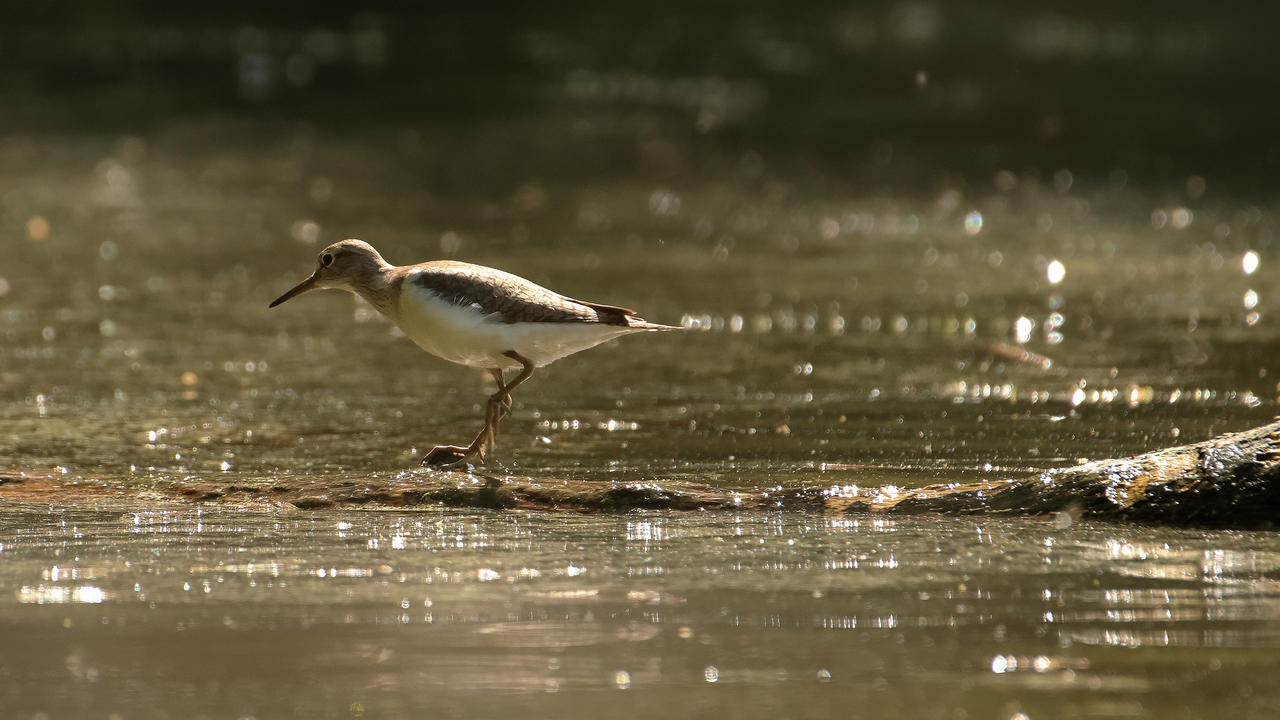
475, 316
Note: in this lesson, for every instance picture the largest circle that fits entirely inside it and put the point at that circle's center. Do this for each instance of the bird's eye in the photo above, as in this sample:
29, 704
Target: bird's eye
326, 259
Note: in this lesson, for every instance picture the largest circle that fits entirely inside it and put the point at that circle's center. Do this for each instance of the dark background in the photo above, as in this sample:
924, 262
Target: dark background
896, 96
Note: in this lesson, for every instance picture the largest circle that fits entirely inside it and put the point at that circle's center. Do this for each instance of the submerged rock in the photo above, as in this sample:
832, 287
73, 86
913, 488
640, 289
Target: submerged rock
1232, 480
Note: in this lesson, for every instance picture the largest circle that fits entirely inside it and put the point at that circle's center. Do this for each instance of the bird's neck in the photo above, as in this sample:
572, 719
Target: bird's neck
381, 288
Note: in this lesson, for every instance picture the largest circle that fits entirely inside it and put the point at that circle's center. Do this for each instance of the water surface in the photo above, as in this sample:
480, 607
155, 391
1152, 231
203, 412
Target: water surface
860, 309
155, 612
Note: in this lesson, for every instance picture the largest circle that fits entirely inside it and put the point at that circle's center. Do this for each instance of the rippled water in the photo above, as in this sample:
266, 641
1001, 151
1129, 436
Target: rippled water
877, 316
854, 339
1031, 326
170, 612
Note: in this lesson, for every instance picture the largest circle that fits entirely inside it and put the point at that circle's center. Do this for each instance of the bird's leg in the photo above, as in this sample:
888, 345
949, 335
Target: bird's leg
499, 404
502, 388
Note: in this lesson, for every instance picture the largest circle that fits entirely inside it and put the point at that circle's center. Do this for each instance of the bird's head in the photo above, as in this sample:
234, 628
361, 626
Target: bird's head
345, 265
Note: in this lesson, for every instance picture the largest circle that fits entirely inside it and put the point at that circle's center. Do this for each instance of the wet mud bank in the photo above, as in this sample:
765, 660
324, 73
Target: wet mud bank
1232, 480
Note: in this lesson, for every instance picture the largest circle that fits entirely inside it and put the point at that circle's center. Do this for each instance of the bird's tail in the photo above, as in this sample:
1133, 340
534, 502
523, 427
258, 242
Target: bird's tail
642, 324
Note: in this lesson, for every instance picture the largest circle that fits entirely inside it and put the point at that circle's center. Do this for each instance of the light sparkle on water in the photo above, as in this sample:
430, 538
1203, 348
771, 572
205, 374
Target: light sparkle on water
1055, 272
1249, 263
973, 223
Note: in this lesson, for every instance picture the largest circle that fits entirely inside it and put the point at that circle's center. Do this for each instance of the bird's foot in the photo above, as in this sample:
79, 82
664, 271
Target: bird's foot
450, 456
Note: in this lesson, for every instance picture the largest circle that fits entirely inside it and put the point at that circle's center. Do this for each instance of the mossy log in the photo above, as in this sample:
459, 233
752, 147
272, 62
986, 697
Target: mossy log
1232, 480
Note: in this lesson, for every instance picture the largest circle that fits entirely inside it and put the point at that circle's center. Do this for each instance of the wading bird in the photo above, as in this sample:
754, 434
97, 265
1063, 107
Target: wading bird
475, 316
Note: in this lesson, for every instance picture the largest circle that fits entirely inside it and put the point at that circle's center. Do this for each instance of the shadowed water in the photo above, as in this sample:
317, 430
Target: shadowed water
860, 309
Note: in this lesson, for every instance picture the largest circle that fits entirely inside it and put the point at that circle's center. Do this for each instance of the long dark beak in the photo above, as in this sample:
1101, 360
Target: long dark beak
305, 285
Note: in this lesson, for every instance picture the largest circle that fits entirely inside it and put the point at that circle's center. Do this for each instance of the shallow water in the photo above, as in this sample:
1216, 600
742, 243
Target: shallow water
173, 612
876, 333
886, 331
872, 315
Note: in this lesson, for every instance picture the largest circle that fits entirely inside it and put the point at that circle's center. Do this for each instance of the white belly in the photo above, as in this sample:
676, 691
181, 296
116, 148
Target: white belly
467, 336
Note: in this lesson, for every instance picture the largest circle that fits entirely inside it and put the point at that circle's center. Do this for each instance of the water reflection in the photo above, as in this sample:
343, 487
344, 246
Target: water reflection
42, 594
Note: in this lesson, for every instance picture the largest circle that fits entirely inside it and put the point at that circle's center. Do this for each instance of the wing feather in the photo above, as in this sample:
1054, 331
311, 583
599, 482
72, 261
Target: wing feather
508, 297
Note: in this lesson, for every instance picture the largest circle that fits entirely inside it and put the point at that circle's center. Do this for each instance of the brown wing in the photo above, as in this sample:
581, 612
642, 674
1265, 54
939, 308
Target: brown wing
610, 314
510, 297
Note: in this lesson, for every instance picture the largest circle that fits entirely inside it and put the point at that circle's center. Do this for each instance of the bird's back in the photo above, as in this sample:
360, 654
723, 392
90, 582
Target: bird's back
510, 298
473, 315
